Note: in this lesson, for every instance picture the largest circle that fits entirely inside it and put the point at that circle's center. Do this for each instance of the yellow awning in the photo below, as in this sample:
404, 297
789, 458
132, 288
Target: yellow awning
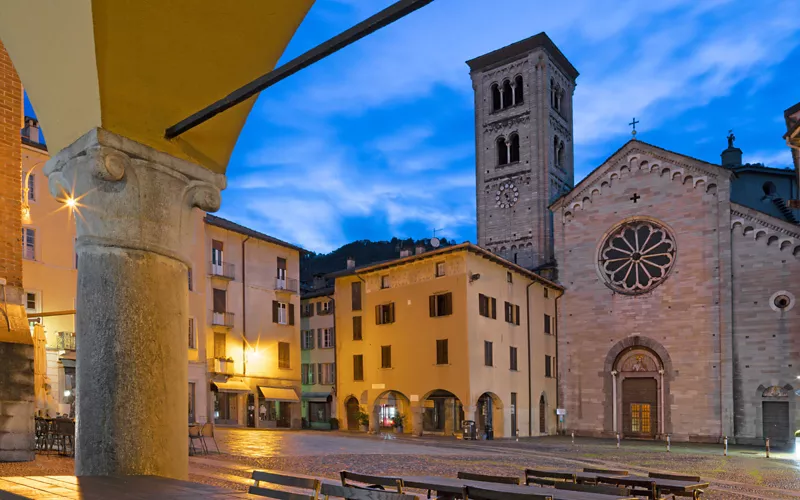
280, 394
232, 386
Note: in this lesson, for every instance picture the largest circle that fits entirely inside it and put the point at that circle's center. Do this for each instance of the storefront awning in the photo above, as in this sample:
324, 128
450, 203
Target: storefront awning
284, 394
316, 396
232, 386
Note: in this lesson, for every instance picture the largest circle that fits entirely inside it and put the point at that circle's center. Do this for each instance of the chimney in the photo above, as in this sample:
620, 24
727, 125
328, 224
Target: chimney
31, 130
405, 253
731, 157
351, 263
319, 281
420, 249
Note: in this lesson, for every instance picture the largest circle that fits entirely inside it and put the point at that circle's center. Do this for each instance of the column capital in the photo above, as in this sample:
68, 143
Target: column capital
130, 195
614, 373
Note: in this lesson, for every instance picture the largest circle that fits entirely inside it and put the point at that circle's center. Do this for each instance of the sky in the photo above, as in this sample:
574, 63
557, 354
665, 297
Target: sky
377, 140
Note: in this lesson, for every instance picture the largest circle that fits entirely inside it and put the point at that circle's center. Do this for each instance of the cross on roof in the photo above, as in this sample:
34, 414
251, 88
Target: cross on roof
633, 124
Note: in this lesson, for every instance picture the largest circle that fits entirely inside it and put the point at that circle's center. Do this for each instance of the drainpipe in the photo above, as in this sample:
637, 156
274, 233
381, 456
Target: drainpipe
558, 377
335, 357
244, 310
530, 389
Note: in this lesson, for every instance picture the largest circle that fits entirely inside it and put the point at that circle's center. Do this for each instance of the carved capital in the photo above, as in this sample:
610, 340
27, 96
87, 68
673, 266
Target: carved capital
130, 195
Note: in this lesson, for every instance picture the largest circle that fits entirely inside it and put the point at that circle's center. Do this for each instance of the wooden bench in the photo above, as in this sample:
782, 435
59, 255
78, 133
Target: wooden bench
607, 472
473, 493
357, 493
547, 478
678, 477
283, 480
603, 489
371, 482
640, 486
489, 479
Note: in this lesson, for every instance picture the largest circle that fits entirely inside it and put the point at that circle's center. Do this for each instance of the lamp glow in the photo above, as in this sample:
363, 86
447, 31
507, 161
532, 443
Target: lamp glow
71, 202
67, 393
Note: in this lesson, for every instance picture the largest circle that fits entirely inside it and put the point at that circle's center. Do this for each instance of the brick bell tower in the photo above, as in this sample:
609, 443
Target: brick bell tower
524, 149
16, 345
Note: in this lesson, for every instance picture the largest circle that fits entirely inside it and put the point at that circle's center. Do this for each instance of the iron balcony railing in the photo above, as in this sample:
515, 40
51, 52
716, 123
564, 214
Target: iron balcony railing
221, 365
65, 341
286, 284
222, 319
224, 270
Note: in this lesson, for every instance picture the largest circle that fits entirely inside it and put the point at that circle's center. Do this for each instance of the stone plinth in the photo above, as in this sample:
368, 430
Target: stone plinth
133, 226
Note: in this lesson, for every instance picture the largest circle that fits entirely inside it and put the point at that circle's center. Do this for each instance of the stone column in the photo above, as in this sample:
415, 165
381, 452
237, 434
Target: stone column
375, 420
614, 398
416, 420
133, 227
449, 416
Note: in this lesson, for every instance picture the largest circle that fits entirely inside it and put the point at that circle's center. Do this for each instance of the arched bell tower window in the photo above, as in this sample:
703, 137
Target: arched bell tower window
507, 94
514, 148
496, 102
502, 151
518, 90
560, 154
555, 151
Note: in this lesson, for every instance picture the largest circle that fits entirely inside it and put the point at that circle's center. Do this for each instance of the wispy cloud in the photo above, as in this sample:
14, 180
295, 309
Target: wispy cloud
780, 158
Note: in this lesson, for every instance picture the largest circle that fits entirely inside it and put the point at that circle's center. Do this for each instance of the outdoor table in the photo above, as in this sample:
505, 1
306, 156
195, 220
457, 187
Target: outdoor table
452, 486
664, 486
106, 487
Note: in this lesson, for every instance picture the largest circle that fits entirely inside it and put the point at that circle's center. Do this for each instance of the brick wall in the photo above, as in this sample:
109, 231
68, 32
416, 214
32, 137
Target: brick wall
10, 172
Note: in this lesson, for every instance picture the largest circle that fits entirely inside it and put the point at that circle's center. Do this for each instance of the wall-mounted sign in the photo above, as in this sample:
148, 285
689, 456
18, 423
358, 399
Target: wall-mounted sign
561, 411
379, 386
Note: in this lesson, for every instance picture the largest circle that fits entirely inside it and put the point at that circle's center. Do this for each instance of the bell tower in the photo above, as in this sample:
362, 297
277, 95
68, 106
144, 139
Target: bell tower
524, 149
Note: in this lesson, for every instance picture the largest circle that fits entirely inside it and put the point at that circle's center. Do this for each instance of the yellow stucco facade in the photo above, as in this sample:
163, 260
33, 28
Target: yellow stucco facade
408, 370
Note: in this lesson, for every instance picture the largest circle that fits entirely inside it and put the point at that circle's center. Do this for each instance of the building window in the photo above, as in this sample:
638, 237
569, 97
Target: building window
441, 304
28, 243
355, 289
384, 281
216, 253
496, 101
306, 309
282, 313
220, 300
513, 149
324, 307
307, 371
326, 338
192, 417
509, 277
442, 356
488, 356
507, 94
358, 367
327, 373
31, 302
283, 355
192, 335
512, 313
439, 269
502, 151
513, 358
32, 187
307, 339
548, 366
280, 272
220, 341
191, 285
518, 90
546, 292
487, 306
547, 324
357, 328
386, 356
384, 314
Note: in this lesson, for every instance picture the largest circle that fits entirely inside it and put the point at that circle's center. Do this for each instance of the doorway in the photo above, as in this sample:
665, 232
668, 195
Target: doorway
542, 415
514, 406
776, 422
640, 407
352, 409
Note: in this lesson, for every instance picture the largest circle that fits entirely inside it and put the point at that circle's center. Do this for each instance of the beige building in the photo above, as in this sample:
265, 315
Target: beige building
445, 336
318, 355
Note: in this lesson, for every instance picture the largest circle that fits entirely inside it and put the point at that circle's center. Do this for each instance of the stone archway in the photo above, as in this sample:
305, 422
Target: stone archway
442, 413
639, 401
352, 410
489, 412
388, 405
542, 414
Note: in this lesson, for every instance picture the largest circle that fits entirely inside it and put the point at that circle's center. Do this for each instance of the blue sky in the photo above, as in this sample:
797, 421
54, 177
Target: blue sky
378, 140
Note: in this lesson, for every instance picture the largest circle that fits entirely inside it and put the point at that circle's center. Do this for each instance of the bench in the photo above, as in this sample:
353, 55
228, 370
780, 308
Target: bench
548, 478
283, 480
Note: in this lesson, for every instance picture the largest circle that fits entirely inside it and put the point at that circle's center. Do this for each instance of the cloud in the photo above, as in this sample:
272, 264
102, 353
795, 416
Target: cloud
781, 158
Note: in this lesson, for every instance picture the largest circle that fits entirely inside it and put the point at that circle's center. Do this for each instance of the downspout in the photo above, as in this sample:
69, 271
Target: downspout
335, 357
244, 310
558, 377
530, 388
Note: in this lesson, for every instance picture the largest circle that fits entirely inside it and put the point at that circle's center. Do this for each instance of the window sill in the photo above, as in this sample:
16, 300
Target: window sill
386, 368
329, 347
358, 340
509, 164
516, 370
442, 364
306, 348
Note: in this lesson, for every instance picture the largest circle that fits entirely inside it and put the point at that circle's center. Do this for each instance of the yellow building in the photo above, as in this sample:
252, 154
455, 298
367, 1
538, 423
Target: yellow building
445, 336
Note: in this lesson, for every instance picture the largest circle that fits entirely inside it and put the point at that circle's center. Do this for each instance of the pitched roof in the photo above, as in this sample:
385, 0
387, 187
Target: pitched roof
518, 49
319, 292
213, 220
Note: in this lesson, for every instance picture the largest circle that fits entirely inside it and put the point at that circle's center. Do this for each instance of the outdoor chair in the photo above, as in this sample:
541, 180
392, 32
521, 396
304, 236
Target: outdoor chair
355, 493
472, 493
371, 482
285, 481
42, 434
547, 478
640, 486
603, 489
196, 434
207, 431
488, 479
679, 477
65, 436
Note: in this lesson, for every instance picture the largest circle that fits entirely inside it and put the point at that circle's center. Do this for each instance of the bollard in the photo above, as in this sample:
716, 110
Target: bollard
767, 447
726, 446
518, 435
618, 440
668, 443
573, 437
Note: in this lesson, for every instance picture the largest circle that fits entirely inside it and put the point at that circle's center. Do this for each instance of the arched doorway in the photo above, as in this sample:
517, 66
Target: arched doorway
490, 414
442, 413
352, 409
392, 404
542, 415
639, 376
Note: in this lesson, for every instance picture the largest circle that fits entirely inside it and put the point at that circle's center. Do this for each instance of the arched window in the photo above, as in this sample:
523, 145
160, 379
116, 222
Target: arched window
518, 90
496, 97
502, 151
552, 93
768, 187
560, 154
555, 151
514, 149
507, 91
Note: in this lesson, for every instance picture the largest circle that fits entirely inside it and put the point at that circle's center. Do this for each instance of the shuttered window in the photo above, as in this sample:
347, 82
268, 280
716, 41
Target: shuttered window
488, 355
513, 358
547, 324
384, 314
220, 339
358, 367
441, 304
386, 356
357, 328
220, 299
548, 366
442, 356
355, 289
283, 355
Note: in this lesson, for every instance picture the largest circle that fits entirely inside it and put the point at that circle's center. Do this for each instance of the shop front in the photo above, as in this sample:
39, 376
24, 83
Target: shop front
229, 401
278, 407
318, 407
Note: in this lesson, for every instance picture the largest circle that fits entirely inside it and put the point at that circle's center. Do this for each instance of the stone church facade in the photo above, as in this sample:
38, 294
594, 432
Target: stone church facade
679, 316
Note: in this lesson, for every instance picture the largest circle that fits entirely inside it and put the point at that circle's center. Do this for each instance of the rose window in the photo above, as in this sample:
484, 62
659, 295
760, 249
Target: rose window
507, 195
637, 256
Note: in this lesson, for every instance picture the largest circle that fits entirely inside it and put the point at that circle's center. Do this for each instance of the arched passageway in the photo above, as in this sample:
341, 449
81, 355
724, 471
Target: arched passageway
490, 415
442, 413
389, 405
352, 410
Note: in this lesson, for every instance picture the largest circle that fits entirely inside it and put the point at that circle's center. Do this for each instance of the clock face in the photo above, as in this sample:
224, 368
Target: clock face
506, 195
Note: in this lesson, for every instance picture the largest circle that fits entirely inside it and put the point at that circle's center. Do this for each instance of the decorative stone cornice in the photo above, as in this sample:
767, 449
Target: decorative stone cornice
132, 196
558, 124
505, 123
763, 227
509, 71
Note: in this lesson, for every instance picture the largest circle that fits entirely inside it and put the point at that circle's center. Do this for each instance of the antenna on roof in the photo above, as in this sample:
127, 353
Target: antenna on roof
435, 241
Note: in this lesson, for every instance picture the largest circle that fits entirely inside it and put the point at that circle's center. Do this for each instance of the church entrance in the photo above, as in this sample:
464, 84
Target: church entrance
640, 407
776, 423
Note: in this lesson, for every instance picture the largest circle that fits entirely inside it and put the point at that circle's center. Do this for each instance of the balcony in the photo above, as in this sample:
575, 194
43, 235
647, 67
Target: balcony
288, 285
221, 366
223, 270
224, 319
65, 341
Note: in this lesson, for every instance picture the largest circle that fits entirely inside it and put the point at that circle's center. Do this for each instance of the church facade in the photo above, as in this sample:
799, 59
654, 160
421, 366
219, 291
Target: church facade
679, 316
